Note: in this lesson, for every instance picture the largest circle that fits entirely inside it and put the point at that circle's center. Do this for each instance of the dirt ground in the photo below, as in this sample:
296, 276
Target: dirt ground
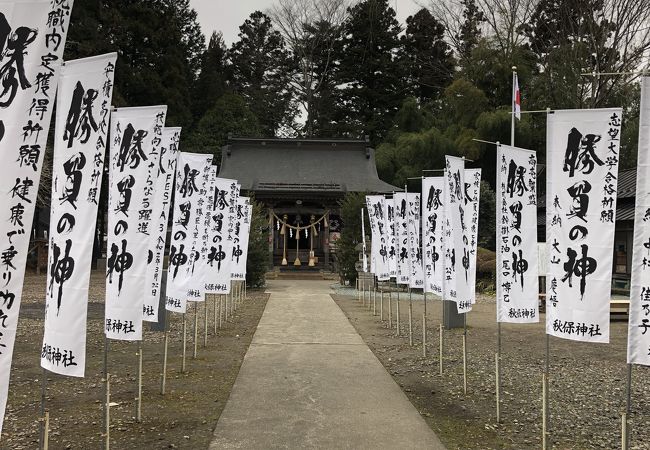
183, 418
587, 383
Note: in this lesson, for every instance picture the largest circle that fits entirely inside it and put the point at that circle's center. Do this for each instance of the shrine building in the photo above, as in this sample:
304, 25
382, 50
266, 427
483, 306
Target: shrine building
301, 182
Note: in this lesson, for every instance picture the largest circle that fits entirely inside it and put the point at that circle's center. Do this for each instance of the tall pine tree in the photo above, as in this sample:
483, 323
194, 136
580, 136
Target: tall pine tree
261, 73
211, 82
427, 57
369, 71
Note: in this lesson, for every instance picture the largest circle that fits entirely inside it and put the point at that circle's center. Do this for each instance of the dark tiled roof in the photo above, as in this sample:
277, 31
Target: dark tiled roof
626, 183
314, 165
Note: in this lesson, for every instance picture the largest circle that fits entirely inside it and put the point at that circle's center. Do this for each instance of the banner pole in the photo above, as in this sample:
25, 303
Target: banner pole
440, 348
397, 318
381, 306
497, 357
628, 408
424, 325
196, 328
138, 399
165, 348
512, 123
410, 317
42, 427
107, 398
545, 406
205, 322
184, 343
465, 353
390, 310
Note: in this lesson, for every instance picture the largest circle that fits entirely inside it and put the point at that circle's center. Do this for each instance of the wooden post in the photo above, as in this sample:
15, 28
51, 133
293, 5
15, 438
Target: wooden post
220, 310
214, 321
390, 310
41, 424
374, 302
46, 436
624, 438
381, 306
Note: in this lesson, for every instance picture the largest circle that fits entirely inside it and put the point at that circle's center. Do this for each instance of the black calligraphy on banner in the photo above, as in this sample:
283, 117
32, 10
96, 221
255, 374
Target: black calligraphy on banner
169, 147
135, 160
379, 261
187, 227
517, 278
29, 74
638, 334
582, 165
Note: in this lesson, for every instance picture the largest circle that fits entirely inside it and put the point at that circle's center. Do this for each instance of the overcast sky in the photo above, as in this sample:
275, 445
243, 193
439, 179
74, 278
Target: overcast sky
227, 15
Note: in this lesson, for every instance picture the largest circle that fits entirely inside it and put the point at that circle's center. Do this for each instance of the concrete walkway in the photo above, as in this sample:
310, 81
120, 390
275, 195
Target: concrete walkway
309, 381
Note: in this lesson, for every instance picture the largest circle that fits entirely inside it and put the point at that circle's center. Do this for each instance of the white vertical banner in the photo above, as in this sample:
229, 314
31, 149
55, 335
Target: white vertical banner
181, 285
363, 240
456, 238
232, 237
432, 233
202, 270
32, 39
516, 228
638, 335
379, 249
240, 256
221, 236
402, 238
83, 106
133, 152
472, 200
240, 242
391, 240
414, 221
582, 164
169, 147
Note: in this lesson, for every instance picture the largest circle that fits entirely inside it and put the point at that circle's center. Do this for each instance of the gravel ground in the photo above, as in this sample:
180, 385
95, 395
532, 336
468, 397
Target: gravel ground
587, 381
184, 417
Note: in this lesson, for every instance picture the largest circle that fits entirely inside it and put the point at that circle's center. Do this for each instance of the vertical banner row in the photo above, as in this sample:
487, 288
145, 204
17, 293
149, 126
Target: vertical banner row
379, 251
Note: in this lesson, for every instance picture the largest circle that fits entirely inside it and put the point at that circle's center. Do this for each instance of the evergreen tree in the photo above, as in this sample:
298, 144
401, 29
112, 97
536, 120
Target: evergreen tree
470, 29
229, 115
347, 254
211, 82
369, 71
157, 43
428, 58
261, 73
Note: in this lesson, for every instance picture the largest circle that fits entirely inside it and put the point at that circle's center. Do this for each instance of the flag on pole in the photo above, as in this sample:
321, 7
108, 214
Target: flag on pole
517, 99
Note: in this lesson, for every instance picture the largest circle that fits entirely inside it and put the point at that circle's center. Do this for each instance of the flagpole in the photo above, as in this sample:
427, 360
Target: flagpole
514, 100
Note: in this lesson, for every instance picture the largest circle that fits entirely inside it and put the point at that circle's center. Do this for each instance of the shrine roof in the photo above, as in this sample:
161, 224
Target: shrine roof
302, 165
